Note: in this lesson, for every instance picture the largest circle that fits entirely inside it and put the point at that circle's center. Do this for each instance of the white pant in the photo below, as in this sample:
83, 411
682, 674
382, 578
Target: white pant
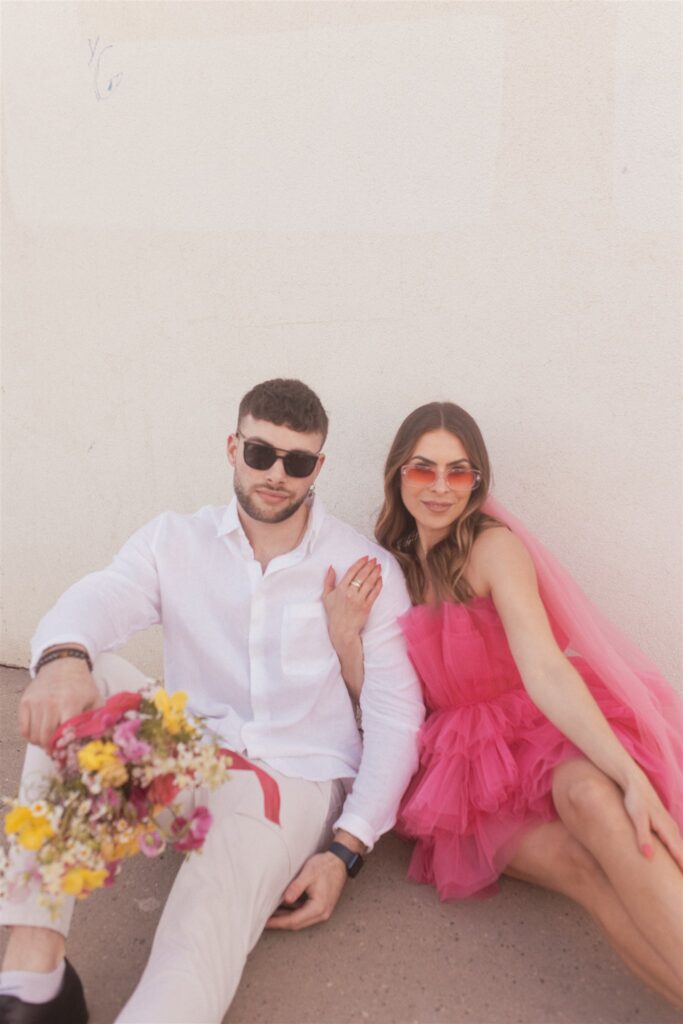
222, 896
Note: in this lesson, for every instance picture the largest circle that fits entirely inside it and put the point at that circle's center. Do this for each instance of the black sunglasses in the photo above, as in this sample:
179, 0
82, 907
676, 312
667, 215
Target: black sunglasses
258, 455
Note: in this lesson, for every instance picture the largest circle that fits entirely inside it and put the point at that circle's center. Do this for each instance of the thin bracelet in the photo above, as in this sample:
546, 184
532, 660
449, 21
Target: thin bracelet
62, 652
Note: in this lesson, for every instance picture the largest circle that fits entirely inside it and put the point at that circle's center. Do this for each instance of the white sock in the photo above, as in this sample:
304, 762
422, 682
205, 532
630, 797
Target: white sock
32, 986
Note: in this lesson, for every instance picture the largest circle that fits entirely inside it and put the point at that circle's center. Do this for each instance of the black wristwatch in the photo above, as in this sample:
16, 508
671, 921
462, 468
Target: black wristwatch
353, 861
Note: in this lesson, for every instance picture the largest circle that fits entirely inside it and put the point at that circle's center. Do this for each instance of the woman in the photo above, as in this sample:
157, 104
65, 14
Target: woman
552, 769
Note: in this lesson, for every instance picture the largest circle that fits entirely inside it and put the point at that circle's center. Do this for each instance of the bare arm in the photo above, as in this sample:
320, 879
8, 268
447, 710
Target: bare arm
501, 564
348, 605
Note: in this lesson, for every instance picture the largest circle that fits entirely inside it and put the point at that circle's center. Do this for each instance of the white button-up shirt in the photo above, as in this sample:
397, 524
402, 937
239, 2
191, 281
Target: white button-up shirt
252, 650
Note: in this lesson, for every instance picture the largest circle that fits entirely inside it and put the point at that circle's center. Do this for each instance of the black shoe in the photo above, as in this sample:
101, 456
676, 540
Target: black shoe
67, 1007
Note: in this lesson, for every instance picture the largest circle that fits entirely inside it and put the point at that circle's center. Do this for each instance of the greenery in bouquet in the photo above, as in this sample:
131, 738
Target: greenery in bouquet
118, 773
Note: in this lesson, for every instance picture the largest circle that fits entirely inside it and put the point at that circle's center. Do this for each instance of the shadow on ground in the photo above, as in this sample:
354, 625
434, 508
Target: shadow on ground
391, 954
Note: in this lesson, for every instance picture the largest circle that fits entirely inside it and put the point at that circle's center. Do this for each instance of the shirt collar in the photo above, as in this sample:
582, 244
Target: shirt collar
316, 517
229, 521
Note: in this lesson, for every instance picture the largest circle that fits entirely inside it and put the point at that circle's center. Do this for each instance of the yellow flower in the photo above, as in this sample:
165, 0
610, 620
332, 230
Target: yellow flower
103, 757
34, 835
81, 881
171, 709
96, 755
33, 830
114, 773
16, 819
113, 849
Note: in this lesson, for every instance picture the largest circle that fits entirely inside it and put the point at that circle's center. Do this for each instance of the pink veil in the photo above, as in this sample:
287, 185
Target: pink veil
622, 667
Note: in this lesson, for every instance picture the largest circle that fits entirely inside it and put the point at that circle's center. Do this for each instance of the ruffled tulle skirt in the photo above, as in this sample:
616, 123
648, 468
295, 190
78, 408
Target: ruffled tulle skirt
485, 777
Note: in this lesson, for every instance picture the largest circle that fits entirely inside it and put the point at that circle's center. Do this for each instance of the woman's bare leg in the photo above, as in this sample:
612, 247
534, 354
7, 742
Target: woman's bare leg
550, 856
591, 855
650, 890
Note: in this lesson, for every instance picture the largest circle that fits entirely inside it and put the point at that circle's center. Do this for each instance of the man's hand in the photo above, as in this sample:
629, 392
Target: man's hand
322, 878
320, 882
62, 689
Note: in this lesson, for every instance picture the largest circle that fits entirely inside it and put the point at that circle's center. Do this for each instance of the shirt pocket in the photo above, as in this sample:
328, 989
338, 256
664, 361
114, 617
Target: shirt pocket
306, 646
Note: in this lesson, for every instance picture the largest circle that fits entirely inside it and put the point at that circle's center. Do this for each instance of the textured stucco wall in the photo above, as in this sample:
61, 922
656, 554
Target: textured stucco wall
395, 202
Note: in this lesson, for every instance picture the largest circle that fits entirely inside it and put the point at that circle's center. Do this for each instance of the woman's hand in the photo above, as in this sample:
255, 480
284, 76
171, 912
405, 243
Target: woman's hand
649, 816
348, 605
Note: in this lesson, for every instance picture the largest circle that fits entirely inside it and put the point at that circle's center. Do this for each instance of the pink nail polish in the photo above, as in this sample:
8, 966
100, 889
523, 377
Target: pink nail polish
648, 851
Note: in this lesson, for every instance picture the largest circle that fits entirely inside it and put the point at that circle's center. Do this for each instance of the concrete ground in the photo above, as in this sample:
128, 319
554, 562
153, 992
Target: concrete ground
391, 954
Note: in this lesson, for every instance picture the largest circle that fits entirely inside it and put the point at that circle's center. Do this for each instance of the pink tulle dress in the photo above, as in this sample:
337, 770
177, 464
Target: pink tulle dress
487, 754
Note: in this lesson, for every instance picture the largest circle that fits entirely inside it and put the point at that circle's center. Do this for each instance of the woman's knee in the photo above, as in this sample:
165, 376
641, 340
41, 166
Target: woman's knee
582, 792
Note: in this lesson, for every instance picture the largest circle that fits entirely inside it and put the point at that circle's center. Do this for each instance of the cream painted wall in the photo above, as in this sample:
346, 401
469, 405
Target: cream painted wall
395, 202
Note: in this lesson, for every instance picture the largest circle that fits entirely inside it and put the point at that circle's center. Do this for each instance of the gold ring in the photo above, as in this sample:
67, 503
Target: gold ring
356, 583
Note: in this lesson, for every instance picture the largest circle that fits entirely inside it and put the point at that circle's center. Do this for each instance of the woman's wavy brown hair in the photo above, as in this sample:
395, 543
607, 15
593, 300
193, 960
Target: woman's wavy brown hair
396, 529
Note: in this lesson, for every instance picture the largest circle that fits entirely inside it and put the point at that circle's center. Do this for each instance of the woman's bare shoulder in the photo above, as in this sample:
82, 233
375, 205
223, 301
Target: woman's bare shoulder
496, 539
496, 550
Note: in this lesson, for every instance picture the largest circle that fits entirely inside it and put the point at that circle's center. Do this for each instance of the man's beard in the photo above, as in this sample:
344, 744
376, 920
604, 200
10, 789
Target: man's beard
262, 515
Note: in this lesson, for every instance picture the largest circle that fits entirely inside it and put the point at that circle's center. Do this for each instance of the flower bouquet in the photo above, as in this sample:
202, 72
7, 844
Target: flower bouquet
118, 773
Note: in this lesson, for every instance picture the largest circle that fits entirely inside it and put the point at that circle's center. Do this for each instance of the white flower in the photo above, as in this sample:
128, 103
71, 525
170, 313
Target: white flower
51, 873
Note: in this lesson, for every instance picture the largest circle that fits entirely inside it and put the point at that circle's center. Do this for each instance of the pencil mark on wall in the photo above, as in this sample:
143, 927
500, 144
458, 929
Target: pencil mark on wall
218, 318
104, 83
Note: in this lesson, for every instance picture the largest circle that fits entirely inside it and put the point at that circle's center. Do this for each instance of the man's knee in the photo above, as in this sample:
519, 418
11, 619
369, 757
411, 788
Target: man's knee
113, 674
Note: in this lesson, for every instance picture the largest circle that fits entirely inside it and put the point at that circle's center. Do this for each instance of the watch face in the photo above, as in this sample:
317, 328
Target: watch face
354, 865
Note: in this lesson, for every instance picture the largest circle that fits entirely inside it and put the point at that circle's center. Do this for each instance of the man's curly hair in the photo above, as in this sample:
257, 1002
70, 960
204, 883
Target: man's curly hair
286, 403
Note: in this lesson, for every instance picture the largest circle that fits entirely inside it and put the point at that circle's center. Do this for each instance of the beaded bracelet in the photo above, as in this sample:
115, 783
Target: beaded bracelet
62, 652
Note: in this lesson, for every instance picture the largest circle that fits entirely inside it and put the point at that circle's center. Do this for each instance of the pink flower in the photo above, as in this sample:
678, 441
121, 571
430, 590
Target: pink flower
190, 834
93, 724
22, 878
113, 868
125, 737
151, 843
138, 798
105, 803
18, 888
112, 798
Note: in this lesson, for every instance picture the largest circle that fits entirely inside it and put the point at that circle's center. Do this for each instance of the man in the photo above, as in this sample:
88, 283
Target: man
238, 590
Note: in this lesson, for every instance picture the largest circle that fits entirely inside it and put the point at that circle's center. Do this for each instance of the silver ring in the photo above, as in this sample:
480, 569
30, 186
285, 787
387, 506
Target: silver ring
356, 583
